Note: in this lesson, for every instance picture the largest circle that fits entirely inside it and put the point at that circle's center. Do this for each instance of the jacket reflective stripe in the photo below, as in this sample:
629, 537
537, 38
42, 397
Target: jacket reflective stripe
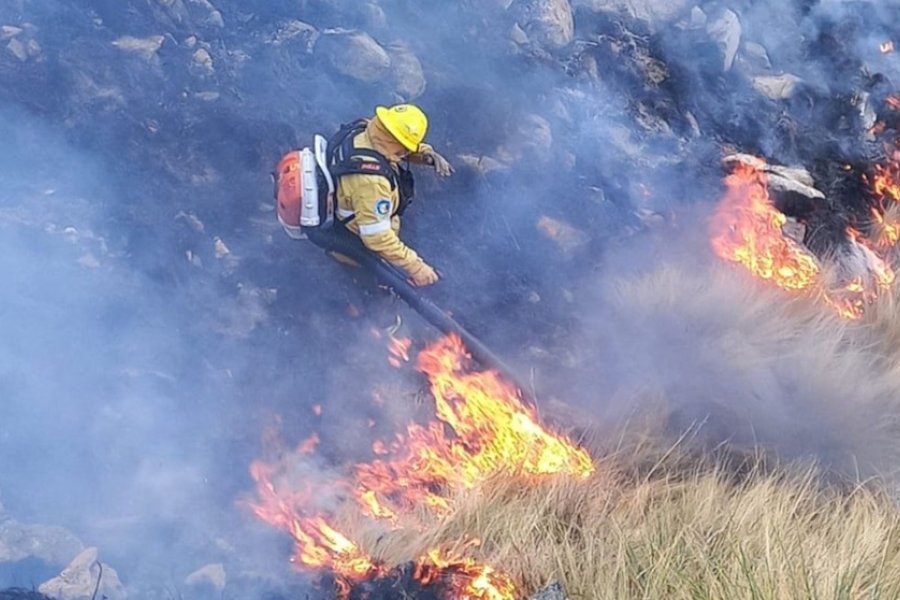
345, 214
375, 228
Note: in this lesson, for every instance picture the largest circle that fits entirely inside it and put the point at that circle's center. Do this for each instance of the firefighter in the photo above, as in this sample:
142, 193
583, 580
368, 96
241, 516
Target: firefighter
370, 158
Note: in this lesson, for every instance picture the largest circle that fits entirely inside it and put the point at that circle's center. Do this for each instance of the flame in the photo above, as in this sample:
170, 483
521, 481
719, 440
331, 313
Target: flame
887, 47
893, 102
481, 428
492, 432
398, 350
747, 230
885, 186
469, 580
886, 183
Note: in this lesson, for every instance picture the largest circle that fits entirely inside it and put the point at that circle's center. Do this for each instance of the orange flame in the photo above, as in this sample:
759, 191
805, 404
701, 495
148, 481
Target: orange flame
482, 428
893, 102
492, 432
398, 351
747, 230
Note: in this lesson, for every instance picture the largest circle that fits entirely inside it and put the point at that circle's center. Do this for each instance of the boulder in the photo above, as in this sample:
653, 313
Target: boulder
354, 54
146, 47
82, 578
211, 576
53, 545
407, 75
295, 32
652, 12
547, 23
551, 592
725, 29
776, 87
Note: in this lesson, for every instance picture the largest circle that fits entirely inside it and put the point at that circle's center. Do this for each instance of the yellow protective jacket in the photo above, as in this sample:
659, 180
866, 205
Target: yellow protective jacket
371, 203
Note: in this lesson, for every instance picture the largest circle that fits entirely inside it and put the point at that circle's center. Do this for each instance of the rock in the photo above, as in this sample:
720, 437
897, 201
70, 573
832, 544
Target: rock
202, 61
146, 48
373, 17
531, 140
407, 75
79, 580
212, 575
33, 48
754, 57
354, 54
295, 32
211, 16
518, 35
220, 249
17, 49
781, 179
652, 12
698, 18
726, 31
566, 236
776, 87
9, 31
53, 545
551, 592
547, 23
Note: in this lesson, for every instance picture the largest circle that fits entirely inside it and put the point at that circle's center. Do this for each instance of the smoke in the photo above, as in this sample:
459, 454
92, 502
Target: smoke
156, 319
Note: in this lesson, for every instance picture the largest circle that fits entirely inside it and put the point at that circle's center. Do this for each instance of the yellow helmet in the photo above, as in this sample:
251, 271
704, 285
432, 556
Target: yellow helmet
406, 122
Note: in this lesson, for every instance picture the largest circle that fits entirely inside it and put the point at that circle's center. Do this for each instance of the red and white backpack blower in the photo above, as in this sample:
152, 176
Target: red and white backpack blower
304, 190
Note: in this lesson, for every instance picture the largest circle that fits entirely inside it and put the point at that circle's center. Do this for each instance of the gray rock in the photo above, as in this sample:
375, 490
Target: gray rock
656, 13
17, 49
202, 62
209, 14
547, 23
551, 592
79, 580
354, 54
295, 32
373, 16
146, 47
53, 545
781, 179
34, 48
407, 74
776, 87
754, 57
9, 31
698, 17
726, 31
212, 575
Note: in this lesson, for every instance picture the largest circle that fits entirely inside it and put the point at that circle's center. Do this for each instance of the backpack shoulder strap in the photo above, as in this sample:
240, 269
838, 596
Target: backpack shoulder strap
344, 159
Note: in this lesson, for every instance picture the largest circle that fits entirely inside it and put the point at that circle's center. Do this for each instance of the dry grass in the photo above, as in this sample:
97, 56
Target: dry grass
774, 536
808, 386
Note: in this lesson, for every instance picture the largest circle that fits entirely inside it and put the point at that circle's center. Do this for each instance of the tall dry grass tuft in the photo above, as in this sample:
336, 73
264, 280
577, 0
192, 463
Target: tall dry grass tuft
703, 535
756, 366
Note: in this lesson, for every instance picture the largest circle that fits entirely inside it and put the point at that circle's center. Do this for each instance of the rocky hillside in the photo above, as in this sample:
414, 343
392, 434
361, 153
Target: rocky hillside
158, 316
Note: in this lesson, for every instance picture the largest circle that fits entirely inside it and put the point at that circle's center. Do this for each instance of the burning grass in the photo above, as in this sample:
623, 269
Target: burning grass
782, 375
486, 502
698, 534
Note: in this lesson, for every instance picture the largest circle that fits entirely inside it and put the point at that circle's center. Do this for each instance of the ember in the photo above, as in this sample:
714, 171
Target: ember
482, 428
887, 47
